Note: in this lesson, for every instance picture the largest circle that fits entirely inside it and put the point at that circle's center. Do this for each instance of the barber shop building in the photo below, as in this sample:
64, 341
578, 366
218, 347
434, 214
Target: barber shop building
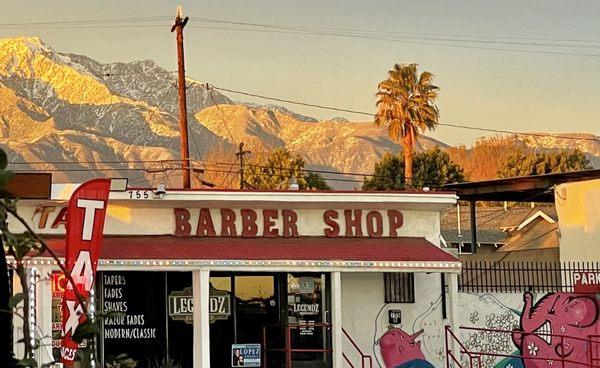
211, 278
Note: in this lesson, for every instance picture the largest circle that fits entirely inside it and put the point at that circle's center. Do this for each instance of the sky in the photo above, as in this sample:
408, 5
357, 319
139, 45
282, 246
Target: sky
557, 90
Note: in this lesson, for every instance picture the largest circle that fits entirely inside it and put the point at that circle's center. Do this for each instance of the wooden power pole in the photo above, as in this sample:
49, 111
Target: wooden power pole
240, 154
183, 126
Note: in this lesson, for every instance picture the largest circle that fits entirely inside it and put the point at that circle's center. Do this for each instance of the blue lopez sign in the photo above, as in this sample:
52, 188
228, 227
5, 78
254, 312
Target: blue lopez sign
245, 355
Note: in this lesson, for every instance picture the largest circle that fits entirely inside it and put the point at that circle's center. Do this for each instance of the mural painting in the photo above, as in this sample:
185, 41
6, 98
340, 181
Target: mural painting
549, 331
492, 311
536, 327
565, 314
401, 350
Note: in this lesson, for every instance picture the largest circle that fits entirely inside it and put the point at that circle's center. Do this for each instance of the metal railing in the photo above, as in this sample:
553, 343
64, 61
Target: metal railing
363, 357
517, 277
474, 359
288, 349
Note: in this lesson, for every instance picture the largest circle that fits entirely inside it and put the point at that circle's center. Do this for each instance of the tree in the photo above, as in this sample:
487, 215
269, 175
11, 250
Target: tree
406, 106
483, 160
316, 181
21, 246
6, 344
433, 168
277, 171
523, 163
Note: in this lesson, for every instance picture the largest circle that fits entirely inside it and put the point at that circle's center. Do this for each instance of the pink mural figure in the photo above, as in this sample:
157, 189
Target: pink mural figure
401, 350
573, 316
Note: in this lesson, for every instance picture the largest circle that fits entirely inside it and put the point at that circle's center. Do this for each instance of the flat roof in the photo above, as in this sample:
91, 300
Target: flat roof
215, 198
534, 188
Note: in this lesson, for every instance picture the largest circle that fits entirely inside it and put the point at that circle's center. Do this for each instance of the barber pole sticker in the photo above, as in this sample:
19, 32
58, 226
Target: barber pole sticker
84, 233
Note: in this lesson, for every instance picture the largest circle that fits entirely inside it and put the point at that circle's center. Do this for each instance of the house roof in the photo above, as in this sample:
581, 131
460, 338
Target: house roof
493, 223
537, 234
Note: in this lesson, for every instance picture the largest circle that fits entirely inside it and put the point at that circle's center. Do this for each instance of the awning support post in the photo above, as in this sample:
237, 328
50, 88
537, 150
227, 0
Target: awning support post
452, 289
336, 318
44, 314
473, 218
200, 294
443, 288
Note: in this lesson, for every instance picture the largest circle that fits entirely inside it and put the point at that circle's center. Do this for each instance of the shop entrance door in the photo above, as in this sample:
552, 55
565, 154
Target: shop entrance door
309, 331
286, 314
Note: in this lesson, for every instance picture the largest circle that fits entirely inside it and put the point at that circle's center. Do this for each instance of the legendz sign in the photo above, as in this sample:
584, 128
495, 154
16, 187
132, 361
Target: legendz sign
181, 305
284, 223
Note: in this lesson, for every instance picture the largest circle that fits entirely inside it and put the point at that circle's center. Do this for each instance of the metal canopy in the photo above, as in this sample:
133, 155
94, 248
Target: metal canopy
535, 188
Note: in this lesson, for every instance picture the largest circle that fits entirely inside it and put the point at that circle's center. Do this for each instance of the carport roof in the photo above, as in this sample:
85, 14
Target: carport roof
534, 188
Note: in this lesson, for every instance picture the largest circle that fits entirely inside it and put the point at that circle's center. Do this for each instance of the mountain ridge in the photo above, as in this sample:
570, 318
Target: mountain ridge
59, 107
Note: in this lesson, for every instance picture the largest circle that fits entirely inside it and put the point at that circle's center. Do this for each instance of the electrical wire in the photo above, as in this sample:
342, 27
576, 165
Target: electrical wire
372, 115
441, 40
221, 113
386, 32
86, 21
422, 42
459, 37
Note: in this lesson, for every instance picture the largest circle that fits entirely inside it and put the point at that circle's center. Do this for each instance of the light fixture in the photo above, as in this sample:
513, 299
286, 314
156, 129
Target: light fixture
160, 191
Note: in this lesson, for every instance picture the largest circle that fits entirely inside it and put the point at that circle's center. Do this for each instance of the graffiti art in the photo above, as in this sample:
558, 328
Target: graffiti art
556, 330
401, 350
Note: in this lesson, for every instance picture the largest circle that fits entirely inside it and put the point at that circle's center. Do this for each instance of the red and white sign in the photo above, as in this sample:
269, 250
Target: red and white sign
85, 227
586, 282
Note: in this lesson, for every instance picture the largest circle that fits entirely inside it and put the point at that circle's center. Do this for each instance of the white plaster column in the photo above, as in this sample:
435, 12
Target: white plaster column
44, 314
452, 282
336, 319
200, 293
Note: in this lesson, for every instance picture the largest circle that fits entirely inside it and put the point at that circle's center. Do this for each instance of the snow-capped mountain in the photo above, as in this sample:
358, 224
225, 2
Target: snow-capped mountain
81, 118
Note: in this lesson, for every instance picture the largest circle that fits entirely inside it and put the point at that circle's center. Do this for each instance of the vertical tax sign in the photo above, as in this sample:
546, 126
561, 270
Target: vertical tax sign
85, 227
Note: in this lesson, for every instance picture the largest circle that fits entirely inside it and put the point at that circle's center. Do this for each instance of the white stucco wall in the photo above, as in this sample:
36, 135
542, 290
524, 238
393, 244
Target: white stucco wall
365, 315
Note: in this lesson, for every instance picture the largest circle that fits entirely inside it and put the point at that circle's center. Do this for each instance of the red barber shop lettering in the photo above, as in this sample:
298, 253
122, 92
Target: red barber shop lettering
353, 221
274, 223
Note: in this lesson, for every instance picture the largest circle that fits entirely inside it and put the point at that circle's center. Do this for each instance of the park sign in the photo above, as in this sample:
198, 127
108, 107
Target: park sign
181, 305
586, 282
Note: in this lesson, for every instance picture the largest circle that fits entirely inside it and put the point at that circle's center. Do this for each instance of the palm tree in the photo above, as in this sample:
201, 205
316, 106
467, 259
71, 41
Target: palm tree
406, 106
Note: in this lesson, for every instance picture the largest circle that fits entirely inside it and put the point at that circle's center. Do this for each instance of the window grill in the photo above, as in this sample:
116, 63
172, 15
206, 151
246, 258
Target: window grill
399, 287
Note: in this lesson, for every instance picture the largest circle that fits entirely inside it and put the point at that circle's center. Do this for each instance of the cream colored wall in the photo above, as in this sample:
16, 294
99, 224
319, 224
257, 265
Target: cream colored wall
578, 208
363, 299
365, 315
123, 220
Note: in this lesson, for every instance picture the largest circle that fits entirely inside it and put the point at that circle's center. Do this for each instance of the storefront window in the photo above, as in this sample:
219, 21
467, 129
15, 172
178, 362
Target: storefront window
151, 317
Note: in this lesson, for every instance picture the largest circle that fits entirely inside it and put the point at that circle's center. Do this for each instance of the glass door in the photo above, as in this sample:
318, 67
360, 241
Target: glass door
309, 336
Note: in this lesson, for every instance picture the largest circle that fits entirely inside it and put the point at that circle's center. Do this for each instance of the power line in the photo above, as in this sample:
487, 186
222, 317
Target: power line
389, 36
432, 42
433, 39
452, 125
87, 21
342, 30
387, 32
118, 26
212, 97
206, 167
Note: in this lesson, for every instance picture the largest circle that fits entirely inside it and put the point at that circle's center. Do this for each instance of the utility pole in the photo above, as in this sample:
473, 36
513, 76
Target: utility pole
240, 154
183, 126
